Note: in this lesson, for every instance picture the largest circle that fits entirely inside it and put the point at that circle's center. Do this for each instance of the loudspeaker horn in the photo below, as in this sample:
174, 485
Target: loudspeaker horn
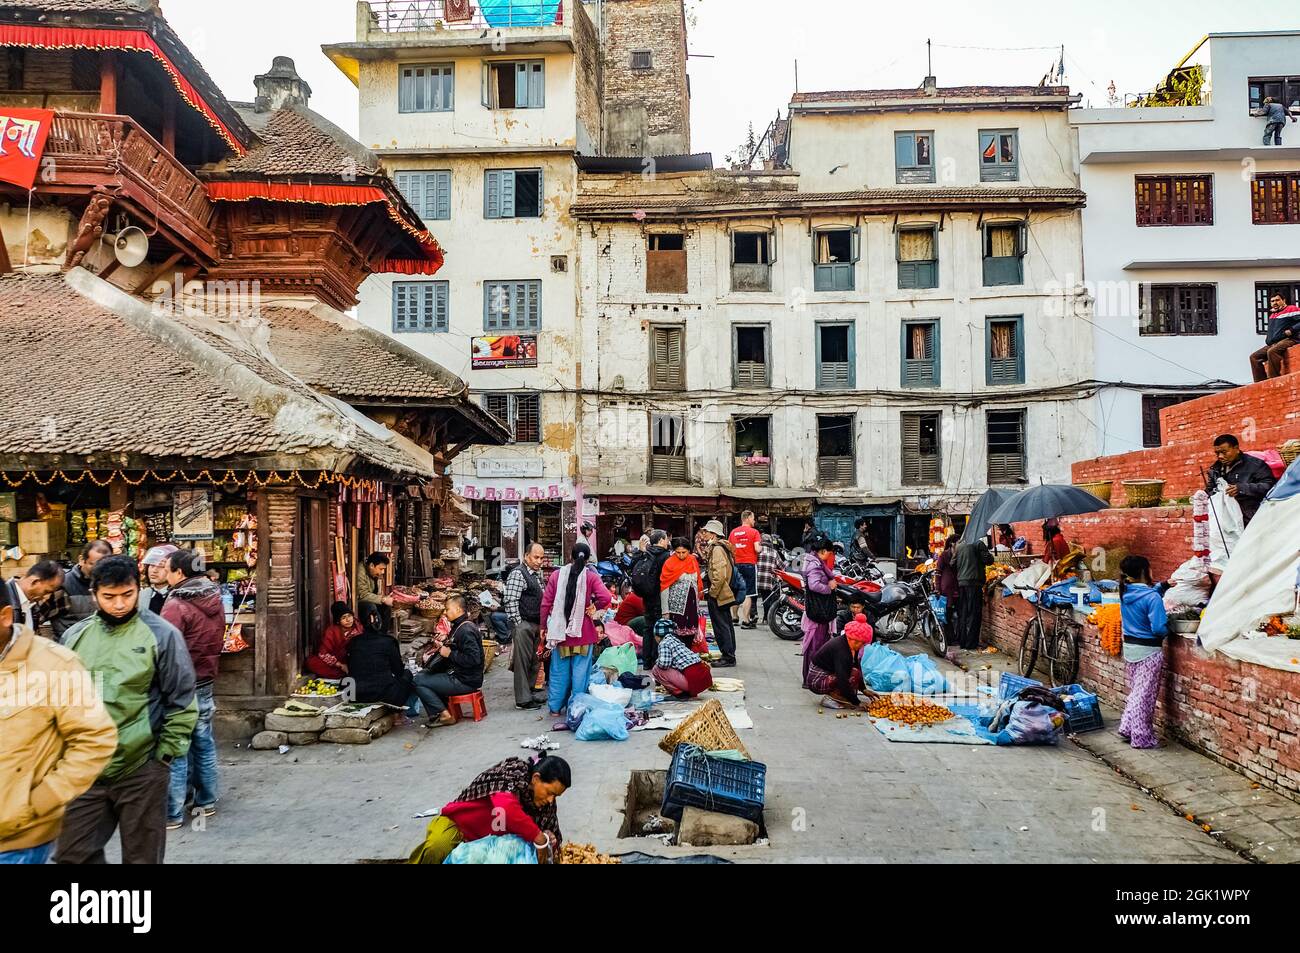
131, 246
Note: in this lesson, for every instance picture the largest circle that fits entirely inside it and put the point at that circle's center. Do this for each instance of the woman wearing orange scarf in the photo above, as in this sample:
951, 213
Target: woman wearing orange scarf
681, 588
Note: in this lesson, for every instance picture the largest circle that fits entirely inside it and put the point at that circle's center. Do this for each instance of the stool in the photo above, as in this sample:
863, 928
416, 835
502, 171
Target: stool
474, 700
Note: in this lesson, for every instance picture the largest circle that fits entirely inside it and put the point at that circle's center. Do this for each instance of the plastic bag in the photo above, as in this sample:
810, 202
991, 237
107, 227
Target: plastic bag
612, 694
924, 675
621, 658
578, 708
1026, 723
619, 634
604, 722
1191, 585
1226, 526
883, 669
496, 849
940, 606
644, 699
1273, 459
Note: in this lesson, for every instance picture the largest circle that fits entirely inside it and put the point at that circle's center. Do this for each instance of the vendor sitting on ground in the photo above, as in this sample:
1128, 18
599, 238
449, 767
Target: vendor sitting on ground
331, 660
677, 668
631, 611
514, 797
375, 665
835, 673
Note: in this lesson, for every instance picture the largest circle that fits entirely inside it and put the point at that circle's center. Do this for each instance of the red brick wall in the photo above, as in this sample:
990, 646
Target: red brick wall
1163, 534
1263, 415
1242, 715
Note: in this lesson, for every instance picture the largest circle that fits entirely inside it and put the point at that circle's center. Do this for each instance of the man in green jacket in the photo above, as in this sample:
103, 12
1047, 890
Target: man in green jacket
971, 561
148, 681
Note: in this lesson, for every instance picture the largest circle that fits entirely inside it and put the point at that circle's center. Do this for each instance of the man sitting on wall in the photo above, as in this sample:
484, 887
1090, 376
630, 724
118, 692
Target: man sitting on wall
1283, 328
1249, 478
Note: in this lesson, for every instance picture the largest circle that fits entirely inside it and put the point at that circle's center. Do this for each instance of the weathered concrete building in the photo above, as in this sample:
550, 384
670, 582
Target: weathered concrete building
1193, 223
478, 114
884, 325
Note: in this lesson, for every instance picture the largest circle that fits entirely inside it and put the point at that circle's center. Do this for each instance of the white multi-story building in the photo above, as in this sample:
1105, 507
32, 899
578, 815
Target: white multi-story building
479, 112
883, 324
1191, 224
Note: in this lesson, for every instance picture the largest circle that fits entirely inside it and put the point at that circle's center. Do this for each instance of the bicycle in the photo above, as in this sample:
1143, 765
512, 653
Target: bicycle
1055, 638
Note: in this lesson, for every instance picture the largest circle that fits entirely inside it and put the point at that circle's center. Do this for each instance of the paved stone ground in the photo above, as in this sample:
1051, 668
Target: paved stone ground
837, 790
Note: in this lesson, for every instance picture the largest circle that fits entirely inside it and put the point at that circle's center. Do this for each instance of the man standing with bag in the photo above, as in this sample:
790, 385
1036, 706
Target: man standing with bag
972, 558
523, 601
721, 596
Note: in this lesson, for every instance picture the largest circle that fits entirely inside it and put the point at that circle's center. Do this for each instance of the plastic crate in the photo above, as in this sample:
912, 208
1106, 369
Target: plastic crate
713, 784
1010, 685
1082, 709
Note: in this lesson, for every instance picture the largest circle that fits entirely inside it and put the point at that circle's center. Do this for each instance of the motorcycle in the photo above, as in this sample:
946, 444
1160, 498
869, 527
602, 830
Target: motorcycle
783, 609
615, 569
903, 609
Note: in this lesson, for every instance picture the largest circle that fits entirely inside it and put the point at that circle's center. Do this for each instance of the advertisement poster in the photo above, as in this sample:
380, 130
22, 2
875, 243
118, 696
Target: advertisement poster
514, 350
192, 516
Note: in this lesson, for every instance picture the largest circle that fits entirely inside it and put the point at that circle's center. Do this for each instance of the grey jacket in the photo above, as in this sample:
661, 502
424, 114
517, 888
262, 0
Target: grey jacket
971, 560
76, 603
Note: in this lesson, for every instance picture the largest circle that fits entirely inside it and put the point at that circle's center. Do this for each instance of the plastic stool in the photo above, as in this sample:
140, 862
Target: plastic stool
477, 705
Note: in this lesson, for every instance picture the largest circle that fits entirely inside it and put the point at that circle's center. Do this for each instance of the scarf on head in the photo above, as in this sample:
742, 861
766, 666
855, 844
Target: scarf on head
558, 628
514, 776
675, 568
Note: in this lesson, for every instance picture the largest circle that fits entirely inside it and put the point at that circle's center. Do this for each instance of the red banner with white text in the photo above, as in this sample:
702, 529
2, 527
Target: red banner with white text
22, 142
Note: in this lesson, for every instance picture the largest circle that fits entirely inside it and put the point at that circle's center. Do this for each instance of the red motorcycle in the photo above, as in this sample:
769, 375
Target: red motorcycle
785, 604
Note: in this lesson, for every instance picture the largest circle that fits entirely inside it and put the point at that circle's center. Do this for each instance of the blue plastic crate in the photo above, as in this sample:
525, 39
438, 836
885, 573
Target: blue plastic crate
1011, 684
713, 784
1082, 709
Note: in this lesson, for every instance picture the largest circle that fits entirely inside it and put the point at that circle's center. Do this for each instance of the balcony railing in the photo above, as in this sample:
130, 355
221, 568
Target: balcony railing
413, 16
88, 149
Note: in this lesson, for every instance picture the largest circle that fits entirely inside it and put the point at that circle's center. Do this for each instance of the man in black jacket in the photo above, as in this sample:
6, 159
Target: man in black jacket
76, 602
972, 559
1249, 478
375, 664
455, 668
523, 602
651, 593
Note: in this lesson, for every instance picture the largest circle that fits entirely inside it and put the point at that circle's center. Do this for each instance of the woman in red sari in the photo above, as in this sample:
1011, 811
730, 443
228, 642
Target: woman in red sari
331, 661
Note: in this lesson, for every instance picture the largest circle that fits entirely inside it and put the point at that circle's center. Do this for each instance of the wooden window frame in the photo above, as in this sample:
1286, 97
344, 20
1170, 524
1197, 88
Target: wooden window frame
824, 461
1163, 201
441, 304
753, 474
684, 466
1001, 479
667, 270
920, 467
1019, 341
502, 202
852, 370
771, 259
1264, 290
420, 200
999, 170
826, 274
935, 362
488, 91
996, 272
1151, 437
530, 321
1148, 295
1291, 81
446, 73
513, 400
1275, 198
910, 272
668, 382
914, 174
766, 330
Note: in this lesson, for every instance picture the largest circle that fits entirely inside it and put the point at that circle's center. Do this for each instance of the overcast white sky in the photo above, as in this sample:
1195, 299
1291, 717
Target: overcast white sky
753, 45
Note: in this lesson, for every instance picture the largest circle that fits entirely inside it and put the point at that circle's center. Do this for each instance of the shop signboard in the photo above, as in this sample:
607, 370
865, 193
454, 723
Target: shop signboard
384, 542
516, 491
192, 515
22, 142
511, 350
509, 468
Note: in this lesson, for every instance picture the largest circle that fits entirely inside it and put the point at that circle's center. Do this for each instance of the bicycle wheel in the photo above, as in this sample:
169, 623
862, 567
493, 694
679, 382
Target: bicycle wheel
1030, 645
1063, 664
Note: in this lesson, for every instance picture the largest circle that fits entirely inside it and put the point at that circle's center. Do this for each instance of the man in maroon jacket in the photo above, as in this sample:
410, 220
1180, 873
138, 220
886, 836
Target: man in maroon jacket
194, 606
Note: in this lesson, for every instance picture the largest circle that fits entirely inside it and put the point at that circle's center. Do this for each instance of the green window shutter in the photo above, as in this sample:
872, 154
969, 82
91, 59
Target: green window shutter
441, 199
507, 184
399, 307
441, 316
491, 194
534, 313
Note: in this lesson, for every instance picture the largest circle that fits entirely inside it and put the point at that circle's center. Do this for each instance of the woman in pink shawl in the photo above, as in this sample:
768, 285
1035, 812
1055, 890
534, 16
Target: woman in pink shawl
819, 577
574, 598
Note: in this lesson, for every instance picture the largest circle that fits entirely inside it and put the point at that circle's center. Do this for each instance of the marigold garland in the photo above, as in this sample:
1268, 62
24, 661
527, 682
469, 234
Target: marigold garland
1110, 627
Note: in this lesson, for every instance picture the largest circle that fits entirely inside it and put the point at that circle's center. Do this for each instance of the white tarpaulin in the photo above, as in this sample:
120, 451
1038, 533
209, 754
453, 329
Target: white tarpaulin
1260, 580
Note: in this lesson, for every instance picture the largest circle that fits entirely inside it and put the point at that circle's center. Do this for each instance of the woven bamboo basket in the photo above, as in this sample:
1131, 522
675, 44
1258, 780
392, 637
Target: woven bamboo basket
708, 728
1289, 451
1143, 492
434, 614
490, 649
1098, 488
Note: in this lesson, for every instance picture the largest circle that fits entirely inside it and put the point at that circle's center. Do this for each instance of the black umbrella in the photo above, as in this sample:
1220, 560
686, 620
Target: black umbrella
1047, 501
981, 514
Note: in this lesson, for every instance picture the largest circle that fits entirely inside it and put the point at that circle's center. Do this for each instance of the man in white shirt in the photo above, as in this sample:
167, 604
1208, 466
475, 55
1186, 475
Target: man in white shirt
40, 582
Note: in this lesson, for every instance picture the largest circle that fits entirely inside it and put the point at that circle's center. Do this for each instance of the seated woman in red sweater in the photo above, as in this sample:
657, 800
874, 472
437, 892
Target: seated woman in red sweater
331, 661
677, 668
513, 797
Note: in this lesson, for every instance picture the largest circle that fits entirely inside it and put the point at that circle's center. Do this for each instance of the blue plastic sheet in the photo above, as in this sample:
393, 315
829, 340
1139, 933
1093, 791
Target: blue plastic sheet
502, 849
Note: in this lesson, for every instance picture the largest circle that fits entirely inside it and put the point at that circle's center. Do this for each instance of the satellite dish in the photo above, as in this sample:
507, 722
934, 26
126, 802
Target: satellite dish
131, 247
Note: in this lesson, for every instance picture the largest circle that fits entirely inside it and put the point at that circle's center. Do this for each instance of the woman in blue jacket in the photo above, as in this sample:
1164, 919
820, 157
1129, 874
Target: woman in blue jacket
1145, 627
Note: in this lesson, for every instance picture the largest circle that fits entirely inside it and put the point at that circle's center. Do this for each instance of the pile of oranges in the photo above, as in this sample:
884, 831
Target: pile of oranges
908, 710
1109, 625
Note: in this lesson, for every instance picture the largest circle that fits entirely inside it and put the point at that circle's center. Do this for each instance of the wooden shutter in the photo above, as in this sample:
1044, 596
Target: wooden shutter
919, 467
1006, 446
836, 471
532, 313
492, 194
1005, 353
537, 86
441, 315
496, 305
401, 306
528, 418
498, 405
667, 369
507, 185
1142, 200
441, 201
921, 369
411, 185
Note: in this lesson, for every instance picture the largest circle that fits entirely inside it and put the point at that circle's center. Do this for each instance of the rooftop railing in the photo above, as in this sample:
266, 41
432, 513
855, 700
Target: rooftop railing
412, 16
